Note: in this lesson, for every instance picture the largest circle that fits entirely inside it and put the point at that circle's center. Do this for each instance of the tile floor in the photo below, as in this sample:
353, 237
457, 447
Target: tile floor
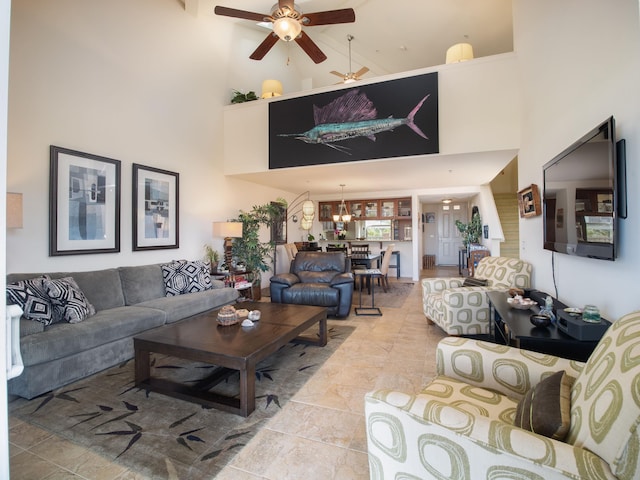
319, 434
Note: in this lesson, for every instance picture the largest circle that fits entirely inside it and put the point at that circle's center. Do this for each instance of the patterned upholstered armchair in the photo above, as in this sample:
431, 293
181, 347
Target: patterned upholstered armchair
461, 425
462, 310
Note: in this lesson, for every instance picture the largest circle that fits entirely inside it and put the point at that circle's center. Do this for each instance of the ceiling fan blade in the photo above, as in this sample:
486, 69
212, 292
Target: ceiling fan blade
361, 72
232, 12
345, 15
310, 48
264, 47
285, 3
341, 75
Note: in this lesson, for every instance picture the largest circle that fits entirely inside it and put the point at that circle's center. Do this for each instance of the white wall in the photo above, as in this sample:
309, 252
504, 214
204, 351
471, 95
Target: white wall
141, 82
580, 63
478, 111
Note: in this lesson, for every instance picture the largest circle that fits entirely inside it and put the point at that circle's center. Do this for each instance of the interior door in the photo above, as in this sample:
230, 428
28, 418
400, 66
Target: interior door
449, 239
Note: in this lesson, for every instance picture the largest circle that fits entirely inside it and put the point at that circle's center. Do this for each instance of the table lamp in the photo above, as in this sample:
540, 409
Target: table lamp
227, 230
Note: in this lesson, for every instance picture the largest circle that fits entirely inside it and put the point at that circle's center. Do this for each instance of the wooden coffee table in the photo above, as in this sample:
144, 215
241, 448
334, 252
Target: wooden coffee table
231, 348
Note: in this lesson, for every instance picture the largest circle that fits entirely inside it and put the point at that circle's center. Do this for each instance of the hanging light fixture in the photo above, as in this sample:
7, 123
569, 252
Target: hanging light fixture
342, 217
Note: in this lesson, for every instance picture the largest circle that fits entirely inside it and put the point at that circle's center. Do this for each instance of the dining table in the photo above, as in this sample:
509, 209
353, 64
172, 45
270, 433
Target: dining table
365, 259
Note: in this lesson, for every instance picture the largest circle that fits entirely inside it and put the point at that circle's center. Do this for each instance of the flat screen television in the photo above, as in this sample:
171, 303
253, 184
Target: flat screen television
580, 196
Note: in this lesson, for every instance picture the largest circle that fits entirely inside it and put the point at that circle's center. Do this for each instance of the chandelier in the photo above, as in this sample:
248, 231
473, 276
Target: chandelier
342, 217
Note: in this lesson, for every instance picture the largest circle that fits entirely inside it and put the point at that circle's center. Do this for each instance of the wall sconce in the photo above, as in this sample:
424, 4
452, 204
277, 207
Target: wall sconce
460, 52
14, 210
271, 88
228, 231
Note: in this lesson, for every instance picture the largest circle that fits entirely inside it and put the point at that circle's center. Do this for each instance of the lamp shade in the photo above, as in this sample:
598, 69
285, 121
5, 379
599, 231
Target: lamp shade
271, 88
308, 209
306, 224
227, 229
460, 52
14, 210
287, 28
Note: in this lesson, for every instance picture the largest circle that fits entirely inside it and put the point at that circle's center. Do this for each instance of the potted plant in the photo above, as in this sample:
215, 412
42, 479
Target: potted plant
249, 249
212, 256
239, 97
471, 231
312, 240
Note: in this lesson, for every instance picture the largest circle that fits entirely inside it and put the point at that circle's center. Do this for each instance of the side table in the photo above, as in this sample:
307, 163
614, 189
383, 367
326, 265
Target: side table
510, 326
368, 273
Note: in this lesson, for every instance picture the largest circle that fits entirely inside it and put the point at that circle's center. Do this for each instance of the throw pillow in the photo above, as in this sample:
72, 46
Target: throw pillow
546, 408
69, 302
181, 277
31, 296
474, 282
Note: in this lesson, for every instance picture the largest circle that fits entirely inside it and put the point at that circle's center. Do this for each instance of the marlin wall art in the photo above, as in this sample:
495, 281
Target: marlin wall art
368, 122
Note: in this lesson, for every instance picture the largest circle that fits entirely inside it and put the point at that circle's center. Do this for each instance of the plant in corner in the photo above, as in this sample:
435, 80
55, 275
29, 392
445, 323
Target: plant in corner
249, 249
471, 231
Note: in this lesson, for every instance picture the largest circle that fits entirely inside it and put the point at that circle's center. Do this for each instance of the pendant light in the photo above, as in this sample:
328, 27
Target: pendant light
342, 217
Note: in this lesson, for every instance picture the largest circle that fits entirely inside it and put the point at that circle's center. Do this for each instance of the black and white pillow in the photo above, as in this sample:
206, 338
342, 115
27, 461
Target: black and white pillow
69, 302
31, 296
181, 277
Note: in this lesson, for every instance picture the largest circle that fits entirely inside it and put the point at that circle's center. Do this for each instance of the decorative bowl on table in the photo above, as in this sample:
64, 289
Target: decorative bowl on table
540, 320
521, 303
228, 316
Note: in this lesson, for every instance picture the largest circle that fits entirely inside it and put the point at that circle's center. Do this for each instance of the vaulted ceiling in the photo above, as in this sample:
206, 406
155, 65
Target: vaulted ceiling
389, 38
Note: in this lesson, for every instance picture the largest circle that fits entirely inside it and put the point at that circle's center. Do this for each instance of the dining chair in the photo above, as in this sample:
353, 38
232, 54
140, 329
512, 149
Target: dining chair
360, 248
335, 248
291, 250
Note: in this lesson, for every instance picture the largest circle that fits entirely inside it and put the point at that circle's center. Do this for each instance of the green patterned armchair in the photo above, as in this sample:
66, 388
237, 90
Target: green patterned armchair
464, 310
462, 424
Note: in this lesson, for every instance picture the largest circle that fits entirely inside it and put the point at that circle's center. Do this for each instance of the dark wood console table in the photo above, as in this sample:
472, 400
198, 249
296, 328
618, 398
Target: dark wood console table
509, 326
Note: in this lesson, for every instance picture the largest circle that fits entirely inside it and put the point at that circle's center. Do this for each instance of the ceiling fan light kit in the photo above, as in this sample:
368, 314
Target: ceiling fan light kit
287, 21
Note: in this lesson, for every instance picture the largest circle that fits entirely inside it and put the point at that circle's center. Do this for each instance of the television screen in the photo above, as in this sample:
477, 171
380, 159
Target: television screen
580, 196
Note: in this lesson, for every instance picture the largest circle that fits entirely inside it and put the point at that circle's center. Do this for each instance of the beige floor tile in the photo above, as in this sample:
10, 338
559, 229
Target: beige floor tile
27, 466
26, 436
311, 422
78, 460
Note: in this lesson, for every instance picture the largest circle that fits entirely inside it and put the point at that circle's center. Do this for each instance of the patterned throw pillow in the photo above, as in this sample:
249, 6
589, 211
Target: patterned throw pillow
546, 408
181, 277
31, 296
474, 282
69, 302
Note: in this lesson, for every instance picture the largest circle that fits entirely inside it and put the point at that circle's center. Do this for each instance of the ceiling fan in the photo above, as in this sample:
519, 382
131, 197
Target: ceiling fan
350, 77
287, 21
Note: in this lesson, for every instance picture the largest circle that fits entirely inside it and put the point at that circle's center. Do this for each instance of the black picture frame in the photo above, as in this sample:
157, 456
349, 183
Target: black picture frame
386, 132
155, 208
84, 203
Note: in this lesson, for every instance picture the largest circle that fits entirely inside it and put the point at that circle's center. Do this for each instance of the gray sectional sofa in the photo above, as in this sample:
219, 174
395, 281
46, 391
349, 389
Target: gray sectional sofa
128, 301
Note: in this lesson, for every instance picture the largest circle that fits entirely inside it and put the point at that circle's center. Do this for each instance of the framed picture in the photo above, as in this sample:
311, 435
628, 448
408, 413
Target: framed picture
84, 203
155, 202
529, 201
431, 217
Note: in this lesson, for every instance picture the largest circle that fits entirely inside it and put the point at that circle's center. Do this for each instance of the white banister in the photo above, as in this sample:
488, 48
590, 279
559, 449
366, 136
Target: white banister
14, 358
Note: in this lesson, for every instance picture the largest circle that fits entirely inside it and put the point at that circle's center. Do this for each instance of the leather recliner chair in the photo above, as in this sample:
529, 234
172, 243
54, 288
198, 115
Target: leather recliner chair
316, 278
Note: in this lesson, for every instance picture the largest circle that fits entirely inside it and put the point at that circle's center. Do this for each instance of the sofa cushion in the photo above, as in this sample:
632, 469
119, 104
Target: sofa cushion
546, 408
102, 288
141, 283
320, 294
183, 306
69, 302
182, 277
63, 339
31, 296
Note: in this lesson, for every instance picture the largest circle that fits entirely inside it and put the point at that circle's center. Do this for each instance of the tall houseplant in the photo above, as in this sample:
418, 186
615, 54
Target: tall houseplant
249, 249
471, 231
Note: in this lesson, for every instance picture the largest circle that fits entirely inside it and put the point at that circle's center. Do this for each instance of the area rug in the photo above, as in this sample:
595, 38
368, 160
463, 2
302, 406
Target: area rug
394, 297
166, 438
